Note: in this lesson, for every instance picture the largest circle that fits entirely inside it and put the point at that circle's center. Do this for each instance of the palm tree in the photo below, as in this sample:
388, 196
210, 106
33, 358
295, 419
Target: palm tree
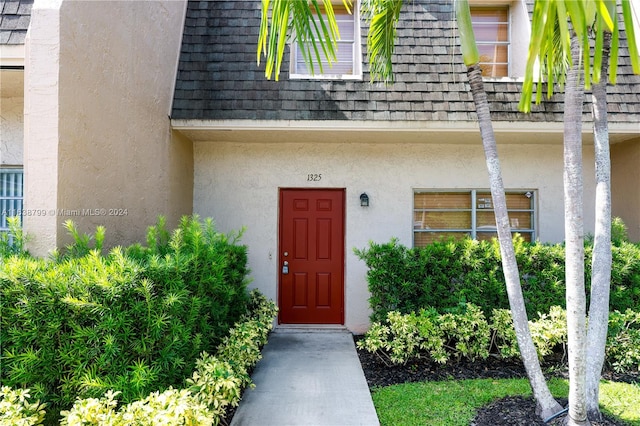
383, 16
601, 259
553, 20
314, 32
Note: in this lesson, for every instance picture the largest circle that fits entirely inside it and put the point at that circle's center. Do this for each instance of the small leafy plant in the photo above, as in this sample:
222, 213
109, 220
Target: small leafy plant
465, 333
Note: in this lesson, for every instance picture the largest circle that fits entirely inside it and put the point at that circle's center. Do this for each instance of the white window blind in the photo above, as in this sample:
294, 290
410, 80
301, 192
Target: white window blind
11, 195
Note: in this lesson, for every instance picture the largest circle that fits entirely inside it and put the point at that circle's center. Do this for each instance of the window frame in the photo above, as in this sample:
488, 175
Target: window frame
11, 202
356, 59
506, 7
473, 210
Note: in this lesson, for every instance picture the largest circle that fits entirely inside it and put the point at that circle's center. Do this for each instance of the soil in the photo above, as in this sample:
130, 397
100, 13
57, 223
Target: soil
510, 411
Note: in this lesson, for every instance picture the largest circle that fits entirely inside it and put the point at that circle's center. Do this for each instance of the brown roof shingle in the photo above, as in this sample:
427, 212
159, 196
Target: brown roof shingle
218, 77
15, 16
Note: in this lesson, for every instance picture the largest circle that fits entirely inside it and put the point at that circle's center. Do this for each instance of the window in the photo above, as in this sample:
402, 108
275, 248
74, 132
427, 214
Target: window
10, 195
349, 62
457, 214
491, 28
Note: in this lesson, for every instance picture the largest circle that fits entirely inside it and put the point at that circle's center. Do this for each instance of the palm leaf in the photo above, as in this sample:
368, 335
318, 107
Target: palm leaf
310, 23
382, 17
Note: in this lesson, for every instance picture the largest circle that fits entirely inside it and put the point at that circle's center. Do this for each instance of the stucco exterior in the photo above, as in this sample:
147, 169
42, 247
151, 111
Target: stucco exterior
12, 120
101, 151
625, 185
237, 184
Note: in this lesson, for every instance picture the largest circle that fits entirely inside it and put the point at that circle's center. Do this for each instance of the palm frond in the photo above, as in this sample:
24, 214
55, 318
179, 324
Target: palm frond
382, 17
585, 17
310, 23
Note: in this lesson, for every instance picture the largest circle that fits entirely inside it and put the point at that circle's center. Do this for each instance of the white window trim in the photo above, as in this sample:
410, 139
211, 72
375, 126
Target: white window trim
474, 230
356, 60
508, 42
12, 204
519, 34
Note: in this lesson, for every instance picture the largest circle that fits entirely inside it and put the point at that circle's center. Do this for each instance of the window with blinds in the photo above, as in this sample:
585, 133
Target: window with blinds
491, 28
11, 195
348, 63
458, 214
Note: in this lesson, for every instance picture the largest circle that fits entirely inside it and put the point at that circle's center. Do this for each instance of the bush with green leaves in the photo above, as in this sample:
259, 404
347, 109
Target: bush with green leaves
464, 333
215, 385
446, 274
623, 340
12, 241
134, 320
16, 409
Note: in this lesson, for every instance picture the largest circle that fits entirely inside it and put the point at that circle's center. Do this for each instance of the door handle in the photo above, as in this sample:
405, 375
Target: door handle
285, 268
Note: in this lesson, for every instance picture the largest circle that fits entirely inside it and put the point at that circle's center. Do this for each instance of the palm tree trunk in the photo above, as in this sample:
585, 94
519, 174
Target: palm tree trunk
546, 405
574, 236
601, 260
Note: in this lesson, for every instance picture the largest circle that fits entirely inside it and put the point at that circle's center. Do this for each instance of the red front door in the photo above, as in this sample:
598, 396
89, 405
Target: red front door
311, 256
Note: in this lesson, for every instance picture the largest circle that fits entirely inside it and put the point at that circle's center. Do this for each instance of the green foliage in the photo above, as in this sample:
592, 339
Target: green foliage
401, 337
17, 410
466, 333
215, 385
455, 403
619, 232
12, 242
81, 242
447, 274
623, 340
134, 320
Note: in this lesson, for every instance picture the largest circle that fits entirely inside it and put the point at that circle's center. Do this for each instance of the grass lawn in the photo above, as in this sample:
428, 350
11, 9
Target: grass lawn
453, 403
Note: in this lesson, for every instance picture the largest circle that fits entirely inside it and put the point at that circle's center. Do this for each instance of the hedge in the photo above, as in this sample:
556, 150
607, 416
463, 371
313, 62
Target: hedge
134, 320
447, 274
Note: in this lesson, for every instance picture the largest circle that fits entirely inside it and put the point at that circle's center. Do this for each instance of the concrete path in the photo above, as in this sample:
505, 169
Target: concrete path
310, 378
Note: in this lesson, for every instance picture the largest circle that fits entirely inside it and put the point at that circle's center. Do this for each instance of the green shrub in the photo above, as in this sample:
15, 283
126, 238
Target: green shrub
17, 410
466, 334
134, 320
447, 274
215, 385
623, 340
12, 241
440, 337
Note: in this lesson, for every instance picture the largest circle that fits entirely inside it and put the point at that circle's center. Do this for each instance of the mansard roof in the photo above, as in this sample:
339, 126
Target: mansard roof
14, 20
218, 78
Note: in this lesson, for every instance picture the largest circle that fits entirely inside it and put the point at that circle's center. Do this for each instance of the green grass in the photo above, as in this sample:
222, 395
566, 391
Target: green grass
454, 403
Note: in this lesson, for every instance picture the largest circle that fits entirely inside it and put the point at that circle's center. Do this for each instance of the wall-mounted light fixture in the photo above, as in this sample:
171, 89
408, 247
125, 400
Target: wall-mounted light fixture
364, 200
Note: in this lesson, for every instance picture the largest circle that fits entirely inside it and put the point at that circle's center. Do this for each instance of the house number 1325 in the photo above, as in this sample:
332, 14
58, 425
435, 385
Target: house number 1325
314, 177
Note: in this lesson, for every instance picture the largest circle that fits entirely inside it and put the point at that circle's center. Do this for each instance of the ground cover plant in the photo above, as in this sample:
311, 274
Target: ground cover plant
133, 320
467, 334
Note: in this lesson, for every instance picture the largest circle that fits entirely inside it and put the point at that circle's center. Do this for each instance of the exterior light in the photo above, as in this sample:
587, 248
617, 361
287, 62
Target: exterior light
364, 200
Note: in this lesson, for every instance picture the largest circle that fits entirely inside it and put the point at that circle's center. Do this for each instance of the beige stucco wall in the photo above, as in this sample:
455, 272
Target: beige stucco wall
237, 184
115, 162
625, 185
41, 112
11, 135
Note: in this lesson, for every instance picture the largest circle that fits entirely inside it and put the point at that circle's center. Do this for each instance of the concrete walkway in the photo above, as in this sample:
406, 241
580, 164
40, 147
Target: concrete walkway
310, 378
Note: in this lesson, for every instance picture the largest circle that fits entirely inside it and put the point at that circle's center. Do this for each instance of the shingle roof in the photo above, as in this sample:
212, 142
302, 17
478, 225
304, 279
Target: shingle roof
14, 20
218, 77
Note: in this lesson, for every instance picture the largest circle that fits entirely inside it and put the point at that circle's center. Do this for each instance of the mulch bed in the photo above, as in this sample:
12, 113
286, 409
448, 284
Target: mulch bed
510, 411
